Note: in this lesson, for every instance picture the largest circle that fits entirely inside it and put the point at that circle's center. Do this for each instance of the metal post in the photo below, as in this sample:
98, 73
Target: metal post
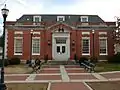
31, 35
93, 45
3, 86
93, 31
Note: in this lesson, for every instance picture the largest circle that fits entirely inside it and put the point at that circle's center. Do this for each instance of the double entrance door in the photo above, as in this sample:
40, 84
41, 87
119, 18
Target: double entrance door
61, 49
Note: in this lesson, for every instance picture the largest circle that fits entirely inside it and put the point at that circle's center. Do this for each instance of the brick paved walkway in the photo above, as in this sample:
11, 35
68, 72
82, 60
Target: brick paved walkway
66, 77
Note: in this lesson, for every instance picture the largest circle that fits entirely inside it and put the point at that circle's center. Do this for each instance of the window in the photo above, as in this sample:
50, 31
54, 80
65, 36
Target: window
36, 46
61, 18
103, 46
63, 49
58, 49
84, 18
37, 18
85, 46
60, 40
18, 45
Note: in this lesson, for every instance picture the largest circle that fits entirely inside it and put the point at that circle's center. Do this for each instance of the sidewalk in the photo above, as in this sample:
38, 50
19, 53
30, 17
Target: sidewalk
66, 77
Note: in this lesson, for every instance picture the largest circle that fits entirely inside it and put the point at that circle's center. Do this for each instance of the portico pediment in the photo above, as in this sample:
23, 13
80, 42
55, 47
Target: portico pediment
60, 27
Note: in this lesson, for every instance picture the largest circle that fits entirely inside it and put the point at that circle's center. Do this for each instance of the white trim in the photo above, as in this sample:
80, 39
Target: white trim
35, 53
18, 32
81, 18
85, 54
18, 37
102, 37
85, 37
35, 37
85, 33
36, 33
82, 45
37, 17
66, 55
15, 46
103, 54
17, 53
102, 33
106, 46
39, 45
60, 17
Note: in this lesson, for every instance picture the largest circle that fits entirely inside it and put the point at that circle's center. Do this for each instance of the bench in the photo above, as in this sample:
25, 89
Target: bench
89, 66
34, 65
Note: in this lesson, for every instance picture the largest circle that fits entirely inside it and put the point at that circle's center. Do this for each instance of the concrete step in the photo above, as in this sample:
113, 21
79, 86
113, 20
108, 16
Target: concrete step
55, 62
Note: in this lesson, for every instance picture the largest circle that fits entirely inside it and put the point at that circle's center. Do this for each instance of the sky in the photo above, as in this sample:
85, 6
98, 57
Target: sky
106, 9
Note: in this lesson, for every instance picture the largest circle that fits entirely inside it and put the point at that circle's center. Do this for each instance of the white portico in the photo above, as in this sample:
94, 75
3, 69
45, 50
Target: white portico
61, 45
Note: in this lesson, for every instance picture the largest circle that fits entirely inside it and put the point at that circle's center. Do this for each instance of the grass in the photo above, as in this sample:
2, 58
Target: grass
18, 69
105, 67
27, 86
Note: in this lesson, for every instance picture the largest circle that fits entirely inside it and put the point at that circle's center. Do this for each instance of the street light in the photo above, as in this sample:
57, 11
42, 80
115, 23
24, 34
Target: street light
93, 31
31, 35
5, 14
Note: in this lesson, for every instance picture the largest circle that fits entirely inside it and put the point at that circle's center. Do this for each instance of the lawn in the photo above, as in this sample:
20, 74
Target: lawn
18, 69
105, 66
27, 86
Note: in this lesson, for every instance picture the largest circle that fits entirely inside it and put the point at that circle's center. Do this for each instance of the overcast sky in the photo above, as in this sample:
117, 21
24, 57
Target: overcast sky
106, 9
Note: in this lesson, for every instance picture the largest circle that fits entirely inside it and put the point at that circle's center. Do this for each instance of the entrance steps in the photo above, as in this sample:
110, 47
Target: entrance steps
55, 62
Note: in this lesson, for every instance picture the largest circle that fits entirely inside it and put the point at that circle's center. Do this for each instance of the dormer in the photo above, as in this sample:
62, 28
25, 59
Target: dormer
84, 18
60, 18
36, 19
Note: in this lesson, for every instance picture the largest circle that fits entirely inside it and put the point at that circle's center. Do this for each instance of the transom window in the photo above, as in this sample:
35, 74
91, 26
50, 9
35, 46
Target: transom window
60, 41
18, 45
84, 18
103, 46
61, 18
37, 18
36, 45
85, 46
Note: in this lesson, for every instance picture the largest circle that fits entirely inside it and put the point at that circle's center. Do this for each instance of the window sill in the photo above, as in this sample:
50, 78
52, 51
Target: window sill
17, 53
86, 54
35, 53
103, 54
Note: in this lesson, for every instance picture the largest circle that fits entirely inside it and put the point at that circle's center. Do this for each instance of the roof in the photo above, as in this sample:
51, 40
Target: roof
52, 17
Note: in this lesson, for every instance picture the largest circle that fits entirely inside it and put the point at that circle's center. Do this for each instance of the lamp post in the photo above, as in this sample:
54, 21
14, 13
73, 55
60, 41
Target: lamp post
31, 35
4, 13
93, 31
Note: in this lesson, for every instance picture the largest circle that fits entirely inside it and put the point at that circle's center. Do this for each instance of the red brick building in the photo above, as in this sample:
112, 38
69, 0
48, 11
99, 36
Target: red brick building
59, 36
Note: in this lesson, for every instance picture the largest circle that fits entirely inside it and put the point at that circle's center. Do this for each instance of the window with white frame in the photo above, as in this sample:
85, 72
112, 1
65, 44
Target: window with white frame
85, 46
37, 18
36, 45
18, 45
61, 18
103, 46
84, 18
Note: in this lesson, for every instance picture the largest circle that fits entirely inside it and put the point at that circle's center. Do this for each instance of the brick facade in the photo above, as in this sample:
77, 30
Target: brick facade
46, 39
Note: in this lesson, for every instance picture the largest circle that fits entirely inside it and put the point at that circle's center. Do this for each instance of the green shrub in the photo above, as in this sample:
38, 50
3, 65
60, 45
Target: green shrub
83, 58
114, 59
93, 59
46, 58
6, 62
14, 61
